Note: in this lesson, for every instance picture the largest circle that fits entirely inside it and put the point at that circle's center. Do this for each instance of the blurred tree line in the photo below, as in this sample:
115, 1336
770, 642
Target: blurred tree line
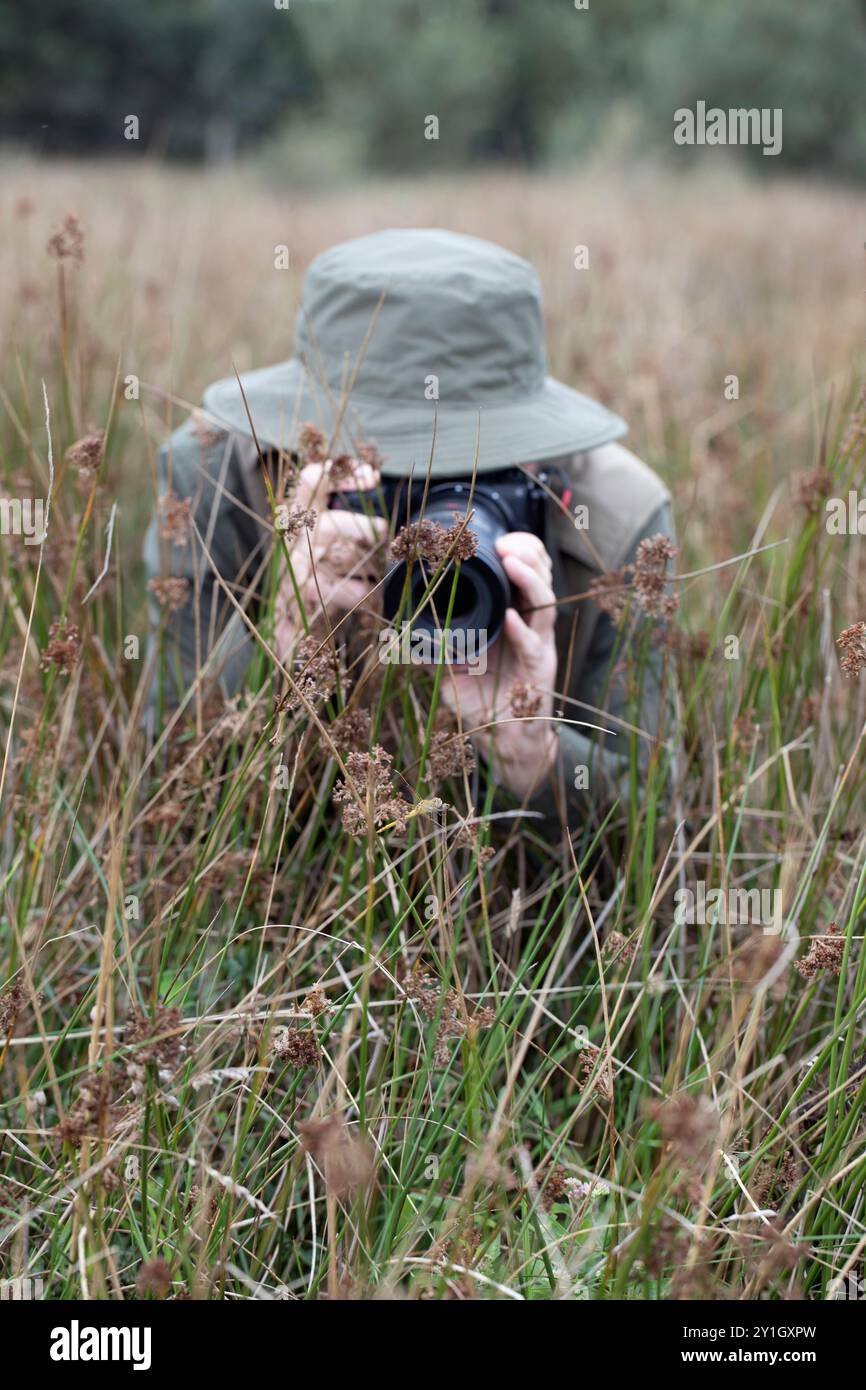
527, 80
203, 77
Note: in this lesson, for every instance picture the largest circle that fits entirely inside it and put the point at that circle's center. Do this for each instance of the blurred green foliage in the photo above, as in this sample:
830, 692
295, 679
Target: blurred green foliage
346, 85
204, 77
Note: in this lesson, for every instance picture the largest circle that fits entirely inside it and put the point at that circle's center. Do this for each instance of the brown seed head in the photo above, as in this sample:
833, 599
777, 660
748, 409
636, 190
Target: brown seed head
154, 1278
64, 647
312, 444
344, 1160
824, 955
523, 700
651, 579
174, 518
67, 244
169, 593
852, 644
298, 1047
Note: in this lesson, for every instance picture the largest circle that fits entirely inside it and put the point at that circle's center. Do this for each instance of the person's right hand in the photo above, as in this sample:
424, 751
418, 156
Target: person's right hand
335, 563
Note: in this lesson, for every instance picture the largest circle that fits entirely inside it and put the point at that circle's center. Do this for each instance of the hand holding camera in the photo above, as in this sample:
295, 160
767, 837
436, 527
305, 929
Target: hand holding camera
524, 749
335, 561
503, 595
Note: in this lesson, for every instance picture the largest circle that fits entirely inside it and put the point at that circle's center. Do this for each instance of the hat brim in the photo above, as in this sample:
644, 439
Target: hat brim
551, 422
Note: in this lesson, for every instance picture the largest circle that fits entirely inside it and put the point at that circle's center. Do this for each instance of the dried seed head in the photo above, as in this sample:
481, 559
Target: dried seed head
316, 1002
415, 539
745, 731
12, 1001
298, 1047
484, 1017
690, 1127
852, 644
93, 1112
467, 838
67, 244
812, 488
153, 1278
427, 540
620, 948
462, 543
774, 1178
651, 579
312, 444
367, 791
64, 647
610, 593
342, 469
292, 522
209, 1207
554, 1185
169, 593
345, 1161
351, 731
156, 1039
523, 700
394, 813
780, 1255
693, 646
456, 1022
591, 1060
423, 988
174, 518
86, 455
449, 755
315, 674
824, 955
369, 454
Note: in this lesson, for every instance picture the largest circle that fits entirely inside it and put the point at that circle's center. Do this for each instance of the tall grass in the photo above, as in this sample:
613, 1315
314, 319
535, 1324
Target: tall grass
247, 1054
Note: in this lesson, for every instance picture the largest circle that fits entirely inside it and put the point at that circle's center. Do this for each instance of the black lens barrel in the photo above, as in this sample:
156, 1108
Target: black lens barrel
481, 587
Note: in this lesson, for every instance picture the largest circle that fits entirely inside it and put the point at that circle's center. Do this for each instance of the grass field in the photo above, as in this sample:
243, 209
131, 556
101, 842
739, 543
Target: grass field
245, 1054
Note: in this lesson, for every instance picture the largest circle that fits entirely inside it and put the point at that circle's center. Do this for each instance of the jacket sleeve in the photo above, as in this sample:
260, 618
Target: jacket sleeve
210, 637
593, 769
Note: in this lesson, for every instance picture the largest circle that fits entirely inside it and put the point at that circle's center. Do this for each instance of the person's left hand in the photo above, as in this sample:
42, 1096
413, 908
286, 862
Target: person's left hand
525, 749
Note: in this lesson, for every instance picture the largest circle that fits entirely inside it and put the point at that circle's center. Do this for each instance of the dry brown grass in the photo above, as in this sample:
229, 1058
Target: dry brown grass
286, 1077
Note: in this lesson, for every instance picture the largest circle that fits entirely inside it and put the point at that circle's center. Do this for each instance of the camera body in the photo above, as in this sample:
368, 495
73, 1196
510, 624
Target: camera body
511, 499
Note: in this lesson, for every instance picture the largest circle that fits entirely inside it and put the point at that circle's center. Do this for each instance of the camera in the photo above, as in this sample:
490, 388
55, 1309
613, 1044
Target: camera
509, 500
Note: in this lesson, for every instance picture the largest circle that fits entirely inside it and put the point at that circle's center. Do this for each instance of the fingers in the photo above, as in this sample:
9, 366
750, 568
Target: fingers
336, 564
338, 598
311, 489
339, 594
337, 578
364, 478
314, 484
340, 540
533, 582
529, 647
332, 594
527, 548
352, 527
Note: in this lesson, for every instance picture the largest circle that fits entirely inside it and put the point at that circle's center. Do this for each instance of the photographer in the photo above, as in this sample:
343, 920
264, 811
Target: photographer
430, 345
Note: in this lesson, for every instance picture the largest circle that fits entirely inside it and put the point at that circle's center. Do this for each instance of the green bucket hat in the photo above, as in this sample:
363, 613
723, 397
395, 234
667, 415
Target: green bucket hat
439, 337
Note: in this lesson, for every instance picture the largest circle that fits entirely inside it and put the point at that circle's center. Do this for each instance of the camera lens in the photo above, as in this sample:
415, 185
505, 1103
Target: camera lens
481, 588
